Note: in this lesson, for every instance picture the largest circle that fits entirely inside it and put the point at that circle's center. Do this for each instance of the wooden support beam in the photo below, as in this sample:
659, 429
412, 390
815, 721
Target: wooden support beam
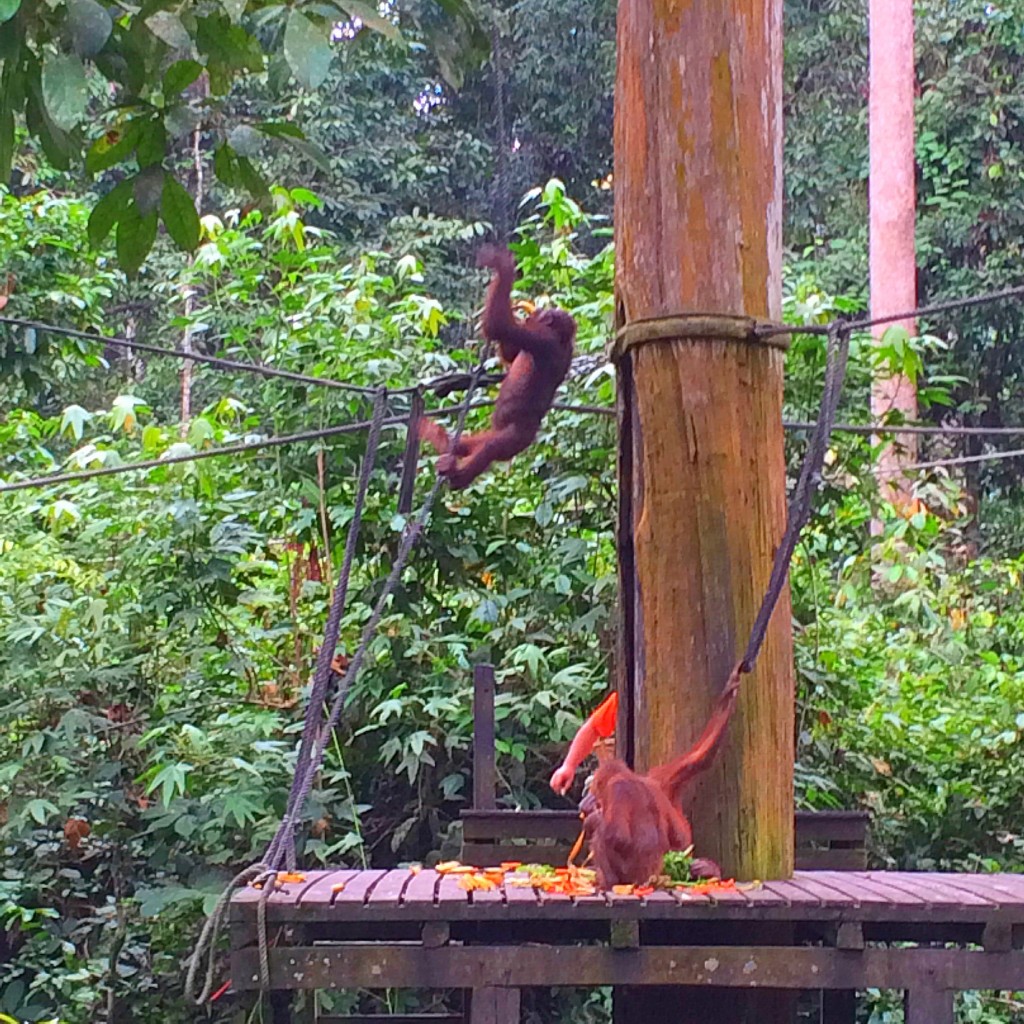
410, 965
702, 482
483, 737
927, 1005
494, 1006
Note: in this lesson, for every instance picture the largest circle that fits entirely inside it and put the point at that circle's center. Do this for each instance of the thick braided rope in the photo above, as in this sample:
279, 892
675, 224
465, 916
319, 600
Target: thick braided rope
206, 946
810, 476
322, 674
290, 822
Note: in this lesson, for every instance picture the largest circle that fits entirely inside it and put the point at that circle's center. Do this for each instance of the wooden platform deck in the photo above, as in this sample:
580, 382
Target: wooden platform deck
838, 930
866, 896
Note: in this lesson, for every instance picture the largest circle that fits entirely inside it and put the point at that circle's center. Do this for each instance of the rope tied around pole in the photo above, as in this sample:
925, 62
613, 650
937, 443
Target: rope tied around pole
693, 327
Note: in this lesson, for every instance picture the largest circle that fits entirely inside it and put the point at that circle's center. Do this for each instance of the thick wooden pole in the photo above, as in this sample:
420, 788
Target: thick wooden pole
698, 217
698, 210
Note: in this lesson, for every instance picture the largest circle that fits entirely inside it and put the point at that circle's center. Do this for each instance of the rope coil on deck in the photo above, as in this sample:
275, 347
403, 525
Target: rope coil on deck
695, 327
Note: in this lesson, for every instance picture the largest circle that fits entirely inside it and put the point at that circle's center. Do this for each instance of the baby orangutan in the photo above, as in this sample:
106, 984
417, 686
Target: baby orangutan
632, 821
538, 352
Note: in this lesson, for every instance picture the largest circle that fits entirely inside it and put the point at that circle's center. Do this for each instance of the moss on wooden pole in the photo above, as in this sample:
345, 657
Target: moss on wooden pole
698, 216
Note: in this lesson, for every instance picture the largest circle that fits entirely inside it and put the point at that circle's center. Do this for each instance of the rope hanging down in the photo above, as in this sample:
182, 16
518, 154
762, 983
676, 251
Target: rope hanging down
799, 512
322, 674
282, 847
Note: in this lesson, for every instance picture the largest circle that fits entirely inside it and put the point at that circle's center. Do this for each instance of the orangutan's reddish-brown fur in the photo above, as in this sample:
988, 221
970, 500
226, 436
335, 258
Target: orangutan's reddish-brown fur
633, 820
538, 352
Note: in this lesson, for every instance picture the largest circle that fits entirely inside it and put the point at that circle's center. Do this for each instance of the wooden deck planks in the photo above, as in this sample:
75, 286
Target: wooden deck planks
1003, 890
390, 889
933, 890
321, 885
869, 896
421, 890
357, 888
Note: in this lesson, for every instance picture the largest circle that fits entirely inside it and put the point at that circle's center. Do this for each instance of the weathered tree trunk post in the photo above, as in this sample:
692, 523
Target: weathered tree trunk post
698, 216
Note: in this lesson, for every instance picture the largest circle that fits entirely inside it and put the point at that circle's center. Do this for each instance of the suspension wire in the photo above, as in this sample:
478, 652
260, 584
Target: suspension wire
503, 185
457, 381
197, 357
53, 479
922, 312
963, 460
868, 429
211, 453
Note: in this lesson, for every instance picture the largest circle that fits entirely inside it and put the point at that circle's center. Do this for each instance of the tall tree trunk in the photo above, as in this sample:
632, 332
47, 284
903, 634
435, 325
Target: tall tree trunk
891, 199
198, 91
698, 212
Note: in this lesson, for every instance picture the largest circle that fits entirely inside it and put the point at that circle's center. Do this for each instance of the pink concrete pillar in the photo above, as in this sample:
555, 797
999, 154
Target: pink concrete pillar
891, 197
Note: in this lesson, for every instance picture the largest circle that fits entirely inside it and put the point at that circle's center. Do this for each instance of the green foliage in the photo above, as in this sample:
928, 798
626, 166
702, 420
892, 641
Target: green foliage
158, 628
970, 158
123, 91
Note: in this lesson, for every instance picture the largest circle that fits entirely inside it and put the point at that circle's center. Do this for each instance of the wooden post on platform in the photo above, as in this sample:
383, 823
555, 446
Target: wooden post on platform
698, 218
483, 737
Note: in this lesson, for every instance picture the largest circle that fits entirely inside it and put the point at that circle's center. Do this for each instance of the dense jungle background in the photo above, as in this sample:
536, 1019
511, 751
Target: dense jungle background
158, 629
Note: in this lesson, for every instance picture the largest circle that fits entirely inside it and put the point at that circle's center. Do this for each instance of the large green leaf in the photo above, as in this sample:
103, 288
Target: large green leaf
180, 75
179, 213
65, 92
168, 28
371, 17
148, 188
8, 9
152, 143
57, 144
111, 148
281, 129
245, 140
307, 50
311, 151
107, 212
90, 26
135, 236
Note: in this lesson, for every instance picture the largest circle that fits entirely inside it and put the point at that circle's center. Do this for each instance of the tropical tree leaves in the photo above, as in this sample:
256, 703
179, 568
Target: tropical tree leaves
135, 207
123, 93
307, 50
